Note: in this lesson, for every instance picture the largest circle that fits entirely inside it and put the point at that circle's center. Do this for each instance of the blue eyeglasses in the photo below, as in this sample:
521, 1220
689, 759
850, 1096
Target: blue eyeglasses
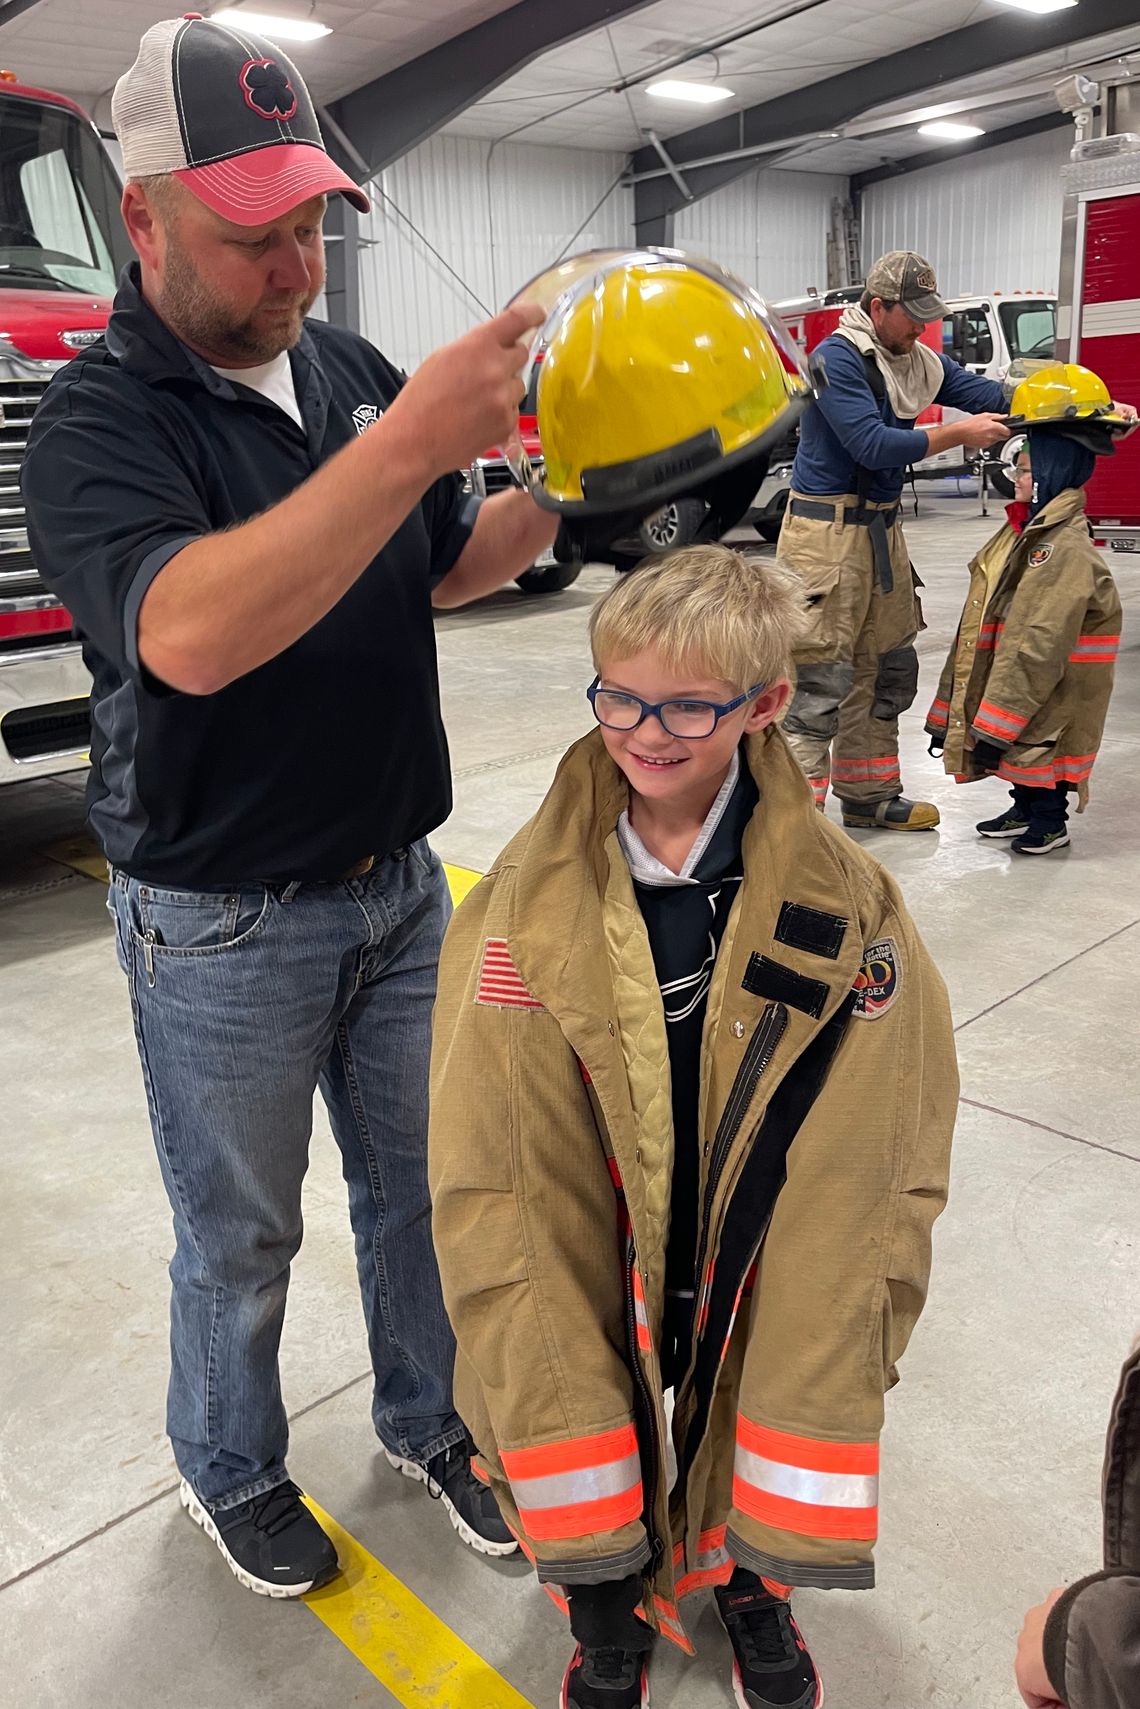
691, 720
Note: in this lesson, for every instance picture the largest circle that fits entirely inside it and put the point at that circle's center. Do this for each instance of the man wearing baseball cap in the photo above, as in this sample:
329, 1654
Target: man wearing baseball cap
250, 515
857, 669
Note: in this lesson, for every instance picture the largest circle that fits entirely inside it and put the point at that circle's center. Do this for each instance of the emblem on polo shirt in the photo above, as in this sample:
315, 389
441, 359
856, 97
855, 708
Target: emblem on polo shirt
1040, 555
878, 980
267, 89
365, 415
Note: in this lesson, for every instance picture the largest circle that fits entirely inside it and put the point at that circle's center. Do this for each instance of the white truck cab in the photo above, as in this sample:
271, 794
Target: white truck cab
986, 333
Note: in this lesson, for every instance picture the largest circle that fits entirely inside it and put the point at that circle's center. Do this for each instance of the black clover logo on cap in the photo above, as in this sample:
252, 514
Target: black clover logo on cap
267, 89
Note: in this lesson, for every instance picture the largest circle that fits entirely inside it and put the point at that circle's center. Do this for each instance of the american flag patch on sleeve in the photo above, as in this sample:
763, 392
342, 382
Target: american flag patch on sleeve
500, 986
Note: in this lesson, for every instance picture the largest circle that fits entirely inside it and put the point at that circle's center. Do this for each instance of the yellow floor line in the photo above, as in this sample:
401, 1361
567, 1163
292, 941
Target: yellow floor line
81, 854
398, 1639
460, 879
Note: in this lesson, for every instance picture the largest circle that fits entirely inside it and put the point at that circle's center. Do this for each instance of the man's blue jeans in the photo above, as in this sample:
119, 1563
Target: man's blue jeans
243, 1004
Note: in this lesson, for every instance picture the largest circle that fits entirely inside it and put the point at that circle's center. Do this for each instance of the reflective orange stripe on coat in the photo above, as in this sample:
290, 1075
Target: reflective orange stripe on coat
1095, 650
939, 712
578, 1487
1006, 726
641, 1316
803, 1485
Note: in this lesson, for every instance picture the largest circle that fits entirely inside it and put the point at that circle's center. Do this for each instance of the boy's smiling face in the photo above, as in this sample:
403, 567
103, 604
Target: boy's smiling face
674, 770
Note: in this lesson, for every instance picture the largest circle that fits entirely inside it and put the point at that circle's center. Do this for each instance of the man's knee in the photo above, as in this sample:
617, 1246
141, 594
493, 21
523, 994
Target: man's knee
896, 683
821, 690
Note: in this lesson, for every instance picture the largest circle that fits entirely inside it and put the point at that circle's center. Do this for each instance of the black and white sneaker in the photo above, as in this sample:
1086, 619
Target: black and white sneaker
470, 1505
773, 1668
606, 1679
1007, 824
271, 1544
1040, 842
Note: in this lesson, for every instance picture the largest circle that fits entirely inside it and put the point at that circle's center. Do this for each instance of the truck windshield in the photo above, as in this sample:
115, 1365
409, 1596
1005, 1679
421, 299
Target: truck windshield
60, 228
1030, 328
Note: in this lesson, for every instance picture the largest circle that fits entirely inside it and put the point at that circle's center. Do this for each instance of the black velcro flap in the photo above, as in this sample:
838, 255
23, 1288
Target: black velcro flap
771, 979
810, 928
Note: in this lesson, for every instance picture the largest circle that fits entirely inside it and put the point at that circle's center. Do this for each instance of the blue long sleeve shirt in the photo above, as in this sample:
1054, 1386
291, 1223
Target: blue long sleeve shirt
847, 425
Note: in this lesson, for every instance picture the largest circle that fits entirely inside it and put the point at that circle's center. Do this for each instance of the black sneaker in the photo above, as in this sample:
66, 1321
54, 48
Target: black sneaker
271, 1544
773, 1668
606, 1679
470, 1505
1007, 824
1040, 842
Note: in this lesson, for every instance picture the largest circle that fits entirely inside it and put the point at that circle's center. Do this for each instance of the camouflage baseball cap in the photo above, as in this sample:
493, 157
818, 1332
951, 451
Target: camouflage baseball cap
906, 278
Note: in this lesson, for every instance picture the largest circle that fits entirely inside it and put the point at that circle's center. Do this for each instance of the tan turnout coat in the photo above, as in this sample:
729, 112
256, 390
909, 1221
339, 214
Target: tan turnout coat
828, 1059
1031, 668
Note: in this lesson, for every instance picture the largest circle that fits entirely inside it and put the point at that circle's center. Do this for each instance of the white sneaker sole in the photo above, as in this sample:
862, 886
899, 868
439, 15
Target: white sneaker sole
564, 1697
201, 1516
742, 1701
1003, 836
481, 1545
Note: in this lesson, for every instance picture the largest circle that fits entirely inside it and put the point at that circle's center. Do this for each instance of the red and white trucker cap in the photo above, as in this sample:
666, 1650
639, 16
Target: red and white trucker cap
227, 113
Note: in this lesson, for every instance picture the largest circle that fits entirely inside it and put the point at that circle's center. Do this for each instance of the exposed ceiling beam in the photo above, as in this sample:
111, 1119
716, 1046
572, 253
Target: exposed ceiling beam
822, 106
394, 113
945, 156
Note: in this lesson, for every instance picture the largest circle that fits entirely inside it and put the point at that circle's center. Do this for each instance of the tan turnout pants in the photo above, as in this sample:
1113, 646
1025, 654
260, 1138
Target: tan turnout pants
857, 669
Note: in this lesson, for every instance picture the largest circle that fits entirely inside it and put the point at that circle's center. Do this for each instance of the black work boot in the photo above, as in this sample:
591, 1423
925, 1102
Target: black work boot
897, 815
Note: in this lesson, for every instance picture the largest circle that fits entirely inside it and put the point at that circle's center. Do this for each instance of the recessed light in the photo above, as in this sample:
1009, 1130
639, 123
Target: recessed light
278, 29
701, 94
946, 131
1038, 6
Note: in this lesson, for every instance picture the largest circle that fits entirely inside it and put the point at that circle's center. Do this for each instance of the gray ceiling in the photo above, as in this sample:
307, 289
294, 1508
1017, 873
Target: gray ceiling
564, 97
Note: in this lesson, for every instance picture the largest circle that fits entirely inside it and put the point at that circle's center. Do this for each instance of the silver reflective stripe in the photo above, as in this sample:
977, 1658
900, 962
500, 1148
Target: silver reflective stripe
639, 1311
820, 1489
710, 1559
569, 1489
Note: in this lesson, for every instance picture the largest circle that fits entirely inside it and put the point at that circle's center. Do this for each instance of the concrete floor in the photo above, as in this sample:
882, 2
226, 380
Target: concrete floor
112, 1601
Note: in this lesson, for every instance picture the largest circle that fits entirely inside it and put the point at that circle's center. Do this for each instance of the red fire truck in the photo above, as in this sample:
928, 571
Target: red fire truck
61, 245
1099, 317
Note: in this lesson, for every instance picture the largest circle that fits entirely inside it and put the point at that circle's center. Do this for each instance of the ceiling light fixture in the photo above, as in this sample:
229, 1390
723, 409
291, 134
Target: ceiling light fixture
946, 131
277, 29
1040, 7
700, 94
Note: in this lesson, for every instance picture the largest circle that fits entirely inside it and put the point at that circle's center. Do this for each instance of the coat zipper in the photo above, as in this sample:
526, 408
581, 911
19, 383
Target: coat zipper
762, 1047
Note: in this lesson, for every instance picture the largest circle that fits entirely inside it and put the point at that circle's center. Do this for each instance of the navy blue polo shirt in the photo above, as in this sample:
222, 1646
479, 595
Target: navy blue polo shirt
333, 750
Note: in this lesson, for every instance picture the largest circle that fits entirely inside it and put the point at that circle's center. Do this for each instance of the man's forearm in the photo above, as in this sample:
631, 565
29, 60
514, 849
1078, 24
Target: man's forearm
509, 534
232, 600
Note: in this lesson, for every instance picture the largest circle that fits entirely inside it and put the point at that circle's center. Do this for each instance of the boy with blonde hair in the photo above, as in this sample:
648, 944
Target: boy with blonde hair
693, 1091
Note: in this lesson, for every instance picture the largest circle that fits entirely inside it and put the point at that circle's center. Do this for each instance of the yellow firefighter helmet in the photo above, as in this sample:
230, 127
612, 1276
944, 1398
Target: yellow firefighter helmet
1070, 399
659, 372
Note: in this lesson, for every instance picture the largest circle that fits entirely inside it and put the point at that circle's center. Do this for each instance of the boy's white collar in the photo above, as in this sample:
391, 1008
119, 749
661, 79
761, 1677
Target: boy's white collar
647, 869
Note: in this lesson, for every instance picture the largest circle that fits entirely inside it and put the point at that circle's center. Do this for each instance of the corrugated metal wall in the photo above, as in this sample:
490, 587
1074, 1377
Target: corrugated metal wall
770, 227
496, 220
987, 222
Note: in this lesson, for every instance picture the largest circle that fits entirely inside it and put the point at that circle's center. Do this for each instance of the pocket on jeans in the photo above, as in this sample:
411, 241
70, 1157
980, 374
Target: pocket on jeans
189, 922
